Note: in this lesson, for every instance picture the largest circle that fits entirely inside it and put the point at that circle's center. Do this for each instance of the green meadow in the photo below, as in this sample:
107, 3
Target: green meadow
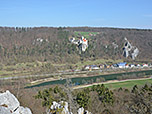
85, 34
128, 84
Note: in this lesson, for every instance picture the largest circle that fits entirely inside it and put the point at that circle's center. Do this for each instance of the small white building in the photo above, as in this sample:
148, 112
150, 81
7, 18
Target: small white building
91, 67
126, 66
87, 67
131, 65
121, 65
145, 65
138, 66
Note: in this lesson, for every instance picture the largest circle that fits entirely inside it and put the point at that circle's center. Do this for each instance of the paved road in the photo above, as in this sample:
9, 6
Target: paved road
45, 75
58, 74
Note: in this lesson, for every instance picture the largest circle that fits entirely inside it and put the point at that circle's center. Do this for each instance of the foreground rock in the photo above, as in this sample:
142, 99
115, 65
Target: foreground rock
10, 105
82, 111
62, 108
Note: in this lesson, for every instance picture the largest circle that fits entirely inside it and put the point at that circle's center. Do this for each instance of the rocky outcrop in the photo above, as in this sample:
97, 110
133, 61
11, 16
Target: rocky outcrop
129, 50
39, 41
114, 45
10, 105
82, 111
135, 53
62, 107
82, 43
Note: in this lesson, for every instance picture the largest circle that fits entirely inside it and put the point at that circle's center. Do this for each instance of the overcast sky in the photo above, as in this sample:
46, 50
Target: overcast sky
96, 13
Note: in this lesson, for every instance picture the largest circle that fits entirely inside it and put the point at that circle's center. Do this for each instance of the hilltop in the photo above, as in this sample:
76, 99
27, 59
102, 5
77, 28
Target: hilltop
19, 45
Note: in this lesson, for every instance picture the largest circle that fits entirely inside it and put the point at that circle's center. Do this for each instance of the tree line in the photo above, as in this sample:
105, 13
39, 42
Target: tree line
99, 98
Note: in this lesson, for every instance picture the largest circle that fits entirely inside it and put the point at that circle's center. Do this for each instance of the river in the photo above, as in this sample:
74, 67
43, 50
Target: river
92, 79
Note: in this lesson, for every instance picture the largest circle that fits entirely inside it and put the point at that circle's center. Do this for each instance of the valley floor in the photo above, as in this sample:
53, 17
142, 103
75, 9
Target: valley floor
96, 74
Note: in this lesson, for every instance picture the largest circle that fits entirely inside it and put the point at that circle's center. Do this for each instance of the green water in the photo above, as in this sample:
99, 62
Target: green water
83, 80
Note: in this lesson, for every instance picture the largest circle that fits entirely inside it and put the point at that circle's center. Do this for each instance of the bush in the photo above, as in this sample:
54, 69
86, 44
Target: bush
1, 66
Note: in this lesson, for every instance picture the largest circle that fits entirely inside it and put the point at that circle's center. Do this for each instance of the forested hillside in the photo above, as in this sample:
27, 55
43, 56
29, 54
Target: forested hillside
52, 44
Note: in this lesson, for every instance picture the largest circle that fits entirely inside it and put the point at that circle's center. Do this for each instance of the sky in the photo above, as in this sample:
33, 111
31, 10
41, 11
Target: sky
74, 13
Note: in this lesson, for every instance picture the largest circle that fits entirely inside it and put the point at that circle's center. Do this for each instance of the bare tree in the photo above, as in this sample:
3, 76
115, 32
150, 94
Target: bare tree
68, 88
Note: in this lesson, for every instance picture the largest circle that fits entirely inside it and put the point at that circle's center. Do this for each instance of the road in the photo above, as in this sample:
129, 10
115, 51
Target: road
45, 75
61, 73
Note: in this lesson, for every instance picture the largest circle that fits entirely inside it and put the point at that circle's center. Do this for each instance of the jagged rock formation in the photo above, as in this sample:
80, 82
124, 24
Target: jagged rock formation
10, 105
62, 107
130, 50
74, 41
82, 111
82, 43
114, 45
39, 41
135, 53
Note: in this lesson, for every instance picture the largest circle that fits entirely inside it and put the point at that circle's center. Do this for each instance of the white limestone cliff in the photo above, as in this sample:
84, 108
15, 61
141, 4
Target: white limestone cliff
82, 43
10, 105
129, 50
64, 108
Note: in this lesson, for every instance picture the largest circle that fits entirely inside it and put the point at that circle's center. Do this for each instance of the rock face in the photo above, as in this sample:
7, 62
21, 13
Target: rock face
135, 53
130, 50
82, 111
59, 107
10, 105
62, 107
82, 43
114, 45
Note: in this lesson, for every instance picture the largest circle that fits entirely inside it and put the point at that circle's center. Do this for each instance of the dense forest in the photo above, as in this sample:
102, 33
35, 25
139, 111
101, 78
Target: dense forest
19, 44
100, 100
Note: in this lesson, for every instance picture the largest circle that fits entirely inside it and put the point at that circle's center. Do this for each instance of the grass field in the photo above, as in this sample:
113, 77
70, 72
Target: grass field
85, 34
33, 67
19, 69
128, 84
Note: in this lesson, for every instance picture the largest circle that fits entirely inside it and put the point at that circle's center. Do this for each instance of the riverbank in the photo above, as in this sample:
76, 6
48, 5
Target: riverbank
85, 80
87, 74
